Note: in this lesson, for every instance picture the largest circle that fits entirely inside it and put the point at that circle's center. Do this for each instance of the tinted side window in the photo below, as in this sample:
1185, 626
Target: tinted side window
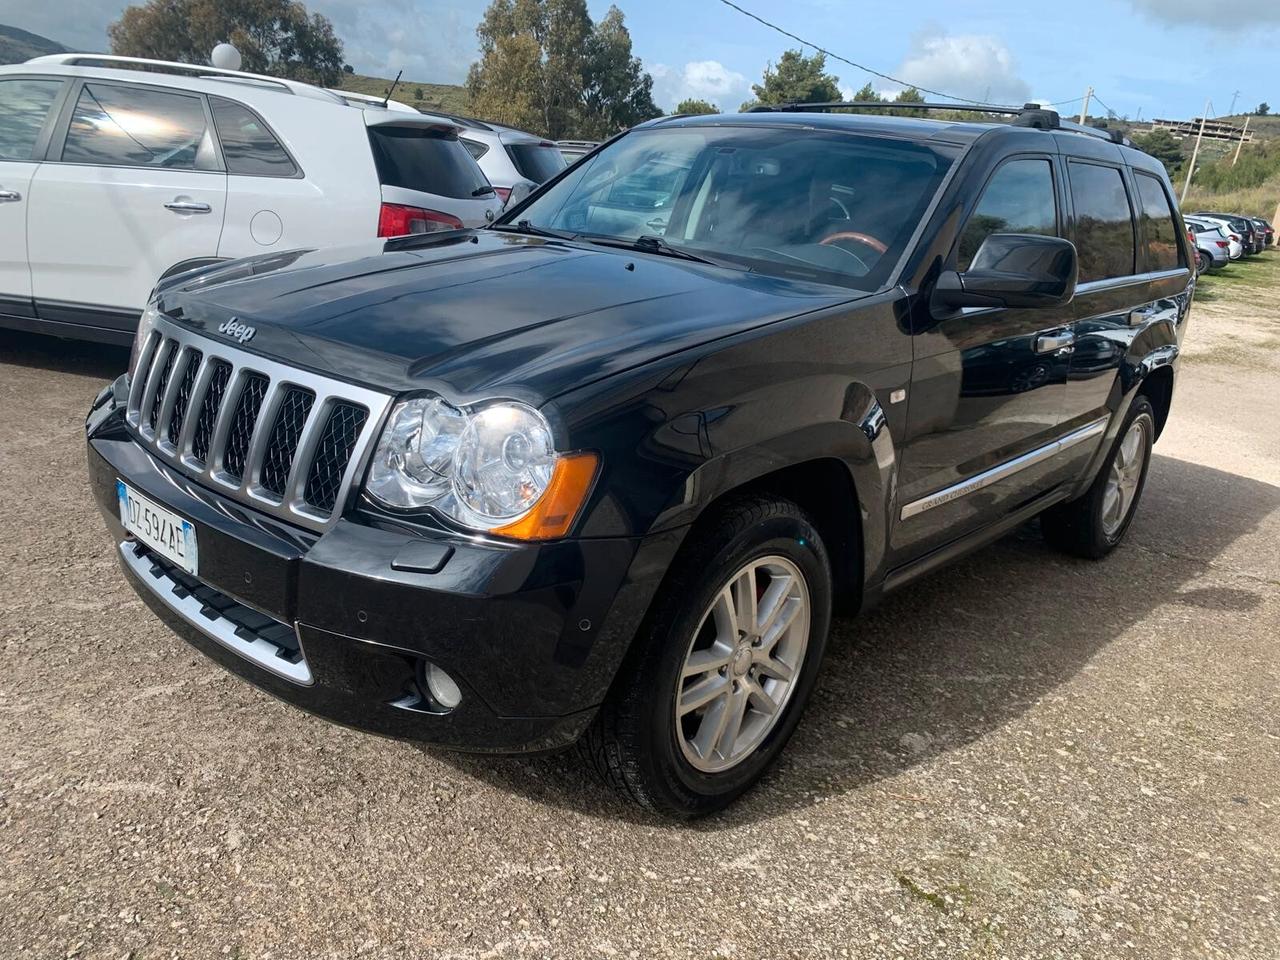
1159, 225
248, 147
1104, 224
475, 147
420, 158
536, 161
138, 127
24, 104
1019, 199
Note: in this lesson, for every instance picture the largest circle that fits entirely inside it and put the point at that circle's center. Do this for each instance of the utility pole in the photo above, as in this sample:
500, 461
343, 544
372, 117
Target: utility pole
1191, 167
1236, 158
1232, 111
1084, 111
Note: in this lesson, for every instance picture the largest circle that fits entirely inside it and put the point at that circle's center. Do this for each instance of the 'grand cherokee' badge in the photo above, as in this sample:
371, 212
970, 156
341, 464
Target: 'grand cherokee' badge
240, 332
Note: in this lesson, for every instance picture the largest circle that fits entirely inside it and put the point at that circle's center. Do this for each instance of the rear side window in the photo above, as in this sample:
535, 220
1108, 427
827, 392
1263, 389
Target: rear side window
536, 162
1159, 225
1019, 199
24, 105
475, 147
420, 158
248, 147
138, 127
1104, 223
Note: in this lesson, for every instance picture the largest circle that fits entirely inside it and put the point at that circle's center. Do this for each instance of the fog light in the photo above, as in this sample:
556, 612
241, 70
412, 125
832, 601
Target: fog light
441, 686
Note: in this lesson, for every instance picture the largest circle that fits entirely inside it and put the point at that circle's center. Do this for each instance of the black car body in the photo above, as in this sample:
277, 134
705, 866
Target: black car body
908, 427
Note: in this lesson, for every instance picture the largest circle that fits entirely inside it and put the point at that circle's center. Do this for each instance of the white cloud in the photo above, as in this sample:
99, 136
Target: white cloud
976, 67
1246, 15
702, 79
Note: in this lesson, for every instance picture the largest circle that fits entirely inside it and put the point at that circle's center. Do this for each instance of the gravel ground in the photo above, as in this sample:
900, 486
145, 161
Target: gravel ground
1022, 756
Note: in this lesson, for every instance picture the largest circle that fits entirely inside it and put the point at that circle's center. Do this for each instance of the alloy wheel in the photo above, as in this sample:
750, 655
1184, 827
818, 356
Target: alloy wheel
742, 664
1124, 476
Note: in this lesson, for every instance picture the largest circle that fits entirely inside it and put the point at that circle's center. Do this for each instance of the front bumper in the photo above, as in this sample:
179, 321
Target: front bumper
532, 633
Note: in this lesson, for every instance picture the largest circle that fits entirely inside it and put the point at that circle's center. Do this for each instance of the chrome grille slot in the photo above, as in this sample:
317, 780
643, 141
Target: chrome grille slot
284, 441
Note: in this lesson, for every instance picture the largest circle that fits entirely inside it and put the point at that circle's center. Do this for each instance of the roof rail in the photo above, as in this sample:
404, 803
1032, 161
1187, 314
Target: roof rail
462, 121
199, 71
1028, 115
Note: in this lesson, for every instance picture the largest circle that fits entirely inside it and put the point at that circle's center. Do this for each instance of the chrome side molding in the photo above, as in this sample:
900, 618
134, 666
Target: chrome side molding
1001, 471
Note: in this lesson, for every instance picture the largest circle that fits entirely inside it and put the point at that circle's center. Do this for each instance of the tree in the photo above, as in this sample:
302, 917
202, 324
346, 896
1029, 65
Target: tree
1263, 109
275, 37
910, 95
417, 93
796, 79
690, 106
348, 69
868, 95
1162, 145
544, 66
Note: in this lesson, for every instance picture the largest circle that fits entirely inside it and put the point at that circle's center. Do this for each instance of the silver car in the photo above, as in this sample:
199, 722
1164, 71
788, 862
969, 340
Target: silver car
508, 157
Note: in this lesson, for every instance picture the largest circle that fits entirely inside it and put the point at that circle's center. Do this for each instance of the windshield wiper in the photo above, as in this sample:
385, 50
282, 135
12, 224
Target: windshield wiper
650, 244
533, 230
482, 191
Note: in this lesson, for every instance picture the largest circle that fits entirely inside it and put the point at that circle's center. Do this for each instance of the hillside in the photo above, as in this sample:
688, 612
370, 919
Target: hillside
18, 45
446, 97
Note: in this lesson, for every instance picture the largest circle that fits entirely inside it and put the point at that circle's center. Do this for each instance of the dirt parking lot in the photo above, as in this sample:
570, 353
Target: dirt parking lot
1023, 756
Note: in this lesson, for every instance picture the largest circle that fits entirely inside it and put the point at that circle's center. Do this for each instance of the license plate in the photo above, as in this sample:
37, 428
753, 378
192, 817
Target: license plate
157, 528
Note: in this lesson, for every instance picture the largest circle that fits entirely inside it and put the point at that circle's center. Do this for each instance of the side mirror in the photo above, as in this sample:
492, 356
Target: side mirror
519, 193
1011, 270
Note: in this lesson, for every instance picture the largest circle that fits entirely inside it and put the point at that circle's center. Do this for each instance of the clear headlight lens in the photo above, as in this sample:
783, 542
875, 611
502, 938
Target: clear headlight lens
488, 469
146, 323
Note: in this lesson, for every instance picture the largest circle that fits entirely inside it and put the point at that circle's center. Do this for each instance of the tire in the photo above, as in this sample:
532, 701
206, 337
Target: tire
640, 743
1203, 262
1092, 525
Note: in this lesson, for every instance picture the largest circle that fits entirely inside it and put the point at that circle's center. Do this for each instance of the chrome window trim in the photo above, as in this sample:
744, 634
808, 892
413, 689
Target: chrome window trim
280, 377
220, 629
1001, 471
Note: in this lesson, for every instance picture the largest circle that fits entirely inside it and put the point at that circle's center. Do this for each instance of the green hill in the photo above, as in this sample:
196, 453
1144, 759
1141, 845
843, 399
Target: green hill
18, 45
446, 97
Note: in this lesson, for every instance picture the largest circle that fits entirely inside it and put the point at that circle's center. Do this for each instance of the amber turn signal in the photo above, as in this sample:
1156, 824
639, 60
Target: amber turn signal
554, 513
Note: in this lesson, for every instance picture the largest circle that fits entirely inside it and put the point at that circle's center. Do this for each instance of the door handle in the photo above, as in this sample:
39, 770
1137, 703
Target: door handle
1055, 340
10, 196
187, 206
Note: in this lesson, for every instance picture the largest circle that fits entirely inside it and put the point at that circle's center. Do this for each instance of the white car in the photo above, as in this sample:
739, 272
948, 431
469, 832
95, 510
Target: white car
115, 173
508, 157
1236, 247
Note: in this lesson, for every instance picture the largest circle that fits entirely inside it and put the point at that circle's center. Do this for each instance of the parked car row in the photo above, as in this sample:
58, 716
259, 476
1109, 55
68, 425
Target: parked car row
116, 173
1220, 238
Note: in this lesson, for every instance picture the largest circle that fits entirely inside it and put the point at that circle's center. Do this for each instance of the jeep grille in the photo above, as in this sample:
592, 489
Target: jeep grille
284, 441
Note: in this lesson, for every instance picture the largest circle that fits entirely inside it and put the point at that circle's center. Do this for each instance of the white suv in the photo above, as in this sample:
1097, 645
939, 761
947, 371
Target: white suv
117, 172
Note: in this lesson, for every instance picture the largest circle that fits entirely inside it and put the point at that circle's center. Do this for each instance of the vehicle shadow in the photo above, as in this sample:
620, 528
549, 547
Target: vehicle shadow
100, 360
951, 658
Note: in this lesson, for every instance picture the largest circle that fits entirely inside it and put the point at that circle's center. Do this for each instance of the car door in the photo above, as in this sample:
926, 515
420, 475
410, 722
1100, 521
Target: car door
137, 188
988, 385
26, 105
1133, 273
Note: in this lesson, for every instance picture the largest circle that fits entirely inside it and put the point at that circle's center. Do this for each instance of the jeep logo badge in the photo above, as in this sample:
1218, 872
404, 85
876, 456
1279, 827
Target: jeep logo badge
240, 332
488, 215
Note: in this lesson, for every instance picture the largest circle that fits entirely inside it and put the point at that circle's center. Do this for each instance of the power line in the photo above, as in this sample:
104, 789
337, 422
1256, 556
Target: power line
865, 69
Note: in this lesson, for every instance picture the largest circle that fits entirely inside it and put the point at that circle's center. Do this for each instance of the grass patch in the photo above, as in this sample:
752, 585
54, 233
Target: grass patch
446, 97
953, 896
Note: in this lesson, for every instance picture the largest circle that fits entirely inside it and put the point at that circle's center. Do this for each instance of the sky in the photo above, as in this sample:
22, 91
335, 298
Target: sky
1143, 57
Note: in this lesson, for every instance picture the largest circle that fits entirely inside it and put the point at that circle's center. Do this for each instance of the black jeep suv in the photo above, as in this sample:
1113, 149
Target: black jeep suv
600, 473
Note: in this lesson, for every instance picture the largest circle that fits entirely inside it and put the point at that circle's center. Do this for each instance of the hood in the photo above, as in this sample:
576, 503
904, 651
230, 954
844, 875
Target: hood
483, 313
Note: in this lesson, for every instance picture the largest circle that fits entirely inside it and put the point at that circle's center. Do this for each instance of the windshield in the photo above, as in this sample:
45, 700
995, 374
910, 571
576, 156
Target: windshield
819, 205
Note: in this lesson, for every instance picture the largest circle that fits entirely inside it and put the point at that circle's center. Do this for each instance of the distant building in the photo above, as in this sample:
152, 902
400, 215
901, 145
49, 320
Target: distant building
1213, 129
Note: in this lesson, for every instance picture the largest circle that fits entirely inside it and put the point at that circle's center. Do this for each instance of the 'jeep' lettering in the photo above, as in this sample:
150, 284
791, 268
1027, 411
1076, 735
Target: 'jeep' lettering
238, 331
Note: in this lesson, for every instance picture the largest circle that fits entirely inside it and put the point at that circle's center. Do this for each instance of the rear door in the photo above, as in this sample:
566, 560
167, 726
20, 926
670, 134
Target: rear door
132, 187
27, 106
988, 385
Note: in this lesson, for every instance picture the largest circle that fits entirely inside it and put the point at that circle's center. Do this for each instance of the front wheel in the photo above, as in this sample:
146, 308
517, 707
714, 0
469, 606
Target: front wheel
1093, 524
723, 669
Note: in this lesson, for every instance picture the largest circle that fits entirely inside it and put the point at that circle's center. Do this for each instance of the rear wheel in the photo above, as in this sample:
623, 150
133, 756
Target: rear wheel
1203, 262
724, 666
1093, 524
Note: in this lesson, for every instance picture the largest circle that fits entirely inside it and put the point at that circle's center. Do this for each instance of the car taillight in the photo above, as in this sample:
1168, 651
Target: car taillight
1235, 238
1223, 244
503, 193
400, 220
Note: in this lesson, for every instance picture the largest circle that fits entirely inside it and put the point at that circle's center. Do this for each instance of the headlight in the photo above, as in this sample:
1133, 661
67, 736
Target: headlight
146, 323
494, 468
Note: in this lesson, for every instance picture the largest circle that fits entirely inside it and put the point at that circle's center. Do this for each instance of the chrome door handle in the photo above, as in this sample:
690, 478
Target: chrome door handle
10, 196
1055, 340
188, 206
